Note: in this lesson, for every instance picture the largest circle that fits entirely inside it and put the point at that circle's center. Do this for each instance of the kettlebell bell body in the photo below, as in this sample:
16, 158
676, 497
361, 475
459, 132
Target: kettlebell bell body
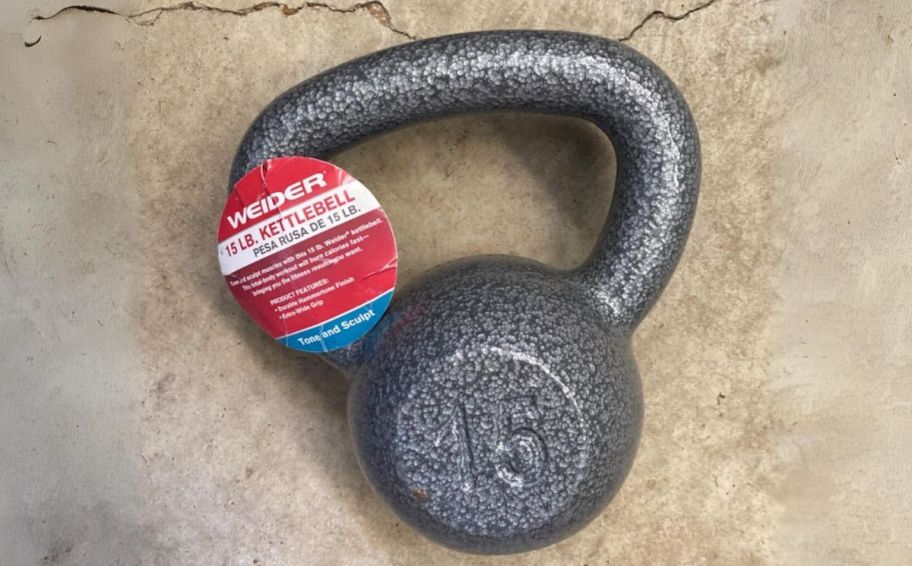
496, 405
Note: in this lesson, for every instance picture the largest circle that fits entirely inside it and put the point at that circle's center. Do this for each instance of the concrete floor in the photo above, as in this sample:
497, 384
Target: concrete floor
144, 419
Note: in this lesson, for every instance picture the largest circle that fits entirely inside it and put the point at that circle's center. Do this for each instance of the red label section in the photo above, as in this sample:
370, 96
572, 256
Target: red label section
308, 253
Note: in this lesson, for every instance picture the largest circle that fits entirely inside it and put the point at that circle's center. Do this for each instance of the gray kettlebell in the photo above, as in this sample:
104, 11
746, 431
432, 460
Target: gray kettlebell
496, 406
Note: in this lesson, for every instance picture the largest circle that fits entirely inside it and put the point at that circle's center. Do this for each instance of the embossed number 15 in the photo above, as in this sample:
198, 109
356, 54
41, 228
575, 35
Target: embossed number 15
513, 449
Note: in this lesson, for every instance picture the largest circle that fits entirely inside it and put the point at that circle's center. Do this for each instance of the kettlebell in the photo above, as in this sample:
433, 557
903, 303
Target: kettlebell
496, 406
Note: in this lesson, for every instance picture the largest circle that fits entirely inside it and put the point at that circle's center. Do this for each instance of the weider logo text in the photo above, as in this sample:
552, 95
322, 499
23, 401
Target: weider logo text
273, 201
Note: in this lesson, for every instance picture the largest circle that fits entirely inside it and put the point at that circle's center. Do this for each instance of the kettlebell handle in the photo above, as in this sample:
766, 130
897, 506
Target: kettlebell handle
602, 81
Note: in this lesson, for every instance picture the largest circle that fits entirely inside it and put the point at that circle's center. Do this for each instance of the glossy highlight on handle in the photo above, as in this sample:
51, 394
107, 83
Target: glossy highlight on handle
599, 80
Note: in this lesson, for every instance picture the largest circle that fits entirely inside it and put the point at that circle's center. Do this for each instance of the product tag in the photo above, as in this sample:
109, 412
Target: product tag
308, 253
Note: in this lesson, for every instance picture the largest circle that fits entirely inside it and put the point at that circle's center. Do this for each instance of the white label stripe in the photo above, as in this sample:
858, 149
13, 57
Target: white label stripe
229, 263
351, 184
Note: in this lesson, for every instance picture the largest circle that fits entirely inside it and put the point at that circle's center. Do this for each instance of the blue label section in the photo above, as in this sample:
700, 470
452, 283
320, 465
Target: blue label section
340, 331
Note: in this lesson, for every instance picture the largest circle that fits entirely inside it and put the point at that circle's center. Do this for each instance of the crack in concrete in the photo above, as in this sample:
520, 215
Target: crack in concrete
150, 16
661, 14
375, 8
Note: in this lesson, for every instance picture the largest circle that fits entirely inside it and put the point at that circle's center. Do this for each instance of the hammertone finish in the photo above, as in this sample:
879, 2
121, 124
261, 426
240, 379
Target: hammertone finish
497, 406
